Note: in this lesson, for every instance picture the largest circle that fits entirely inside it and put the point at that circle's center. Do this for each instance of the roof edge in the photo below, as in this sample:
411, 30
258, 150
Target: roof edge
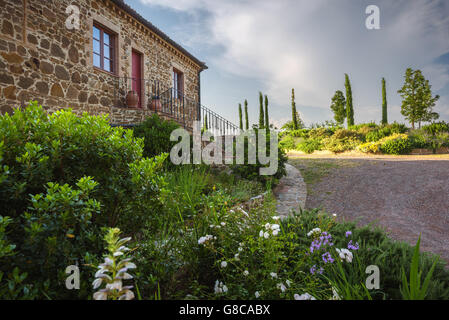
128, 9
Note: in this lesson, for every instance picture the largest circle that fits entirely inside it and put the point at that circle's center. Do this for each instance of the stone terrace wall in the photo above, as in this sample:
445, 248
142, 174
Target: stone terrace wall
43, 60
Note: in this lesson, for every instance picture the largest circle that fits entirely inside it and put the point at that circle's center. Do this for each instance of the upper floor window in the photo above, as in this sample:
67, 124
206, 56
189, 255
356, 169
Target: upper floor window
103, 49
178, 83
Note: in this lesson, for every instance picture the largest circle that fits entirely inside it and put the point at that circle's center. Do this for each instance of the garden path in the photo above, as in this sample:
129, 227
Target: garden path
291, 192
406, 195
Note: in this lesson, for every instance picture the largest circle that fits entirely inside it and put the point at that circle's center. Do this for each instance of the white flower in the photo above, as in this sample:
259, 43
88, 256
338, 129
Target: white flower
220, 287
236, 257
129, 295
223, 224
115, 285
224, 264
204, 239
246, 272
334, 215
257, 294
217, 287
275, 227
266, 235
288, 282
304, 296
273, 275
335, 294
267, 226
345, 255
261, 233
100, 295
281, 286
275, 232
97, 282
240, 249
276, 218
313, 231
130, 265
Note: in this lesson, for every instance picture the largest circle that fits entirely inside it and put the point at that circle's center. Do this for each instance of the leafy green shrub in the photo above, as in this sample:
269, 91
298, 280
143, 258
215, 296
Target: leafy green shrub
340, 145
59, 231
420, 139
346, 134
53, 224
370, 147
309, 145
376, 135
396, 144
362, 126
320, 133
252, 171
287, 143
156, 133
397, 127
435, 128
300, 133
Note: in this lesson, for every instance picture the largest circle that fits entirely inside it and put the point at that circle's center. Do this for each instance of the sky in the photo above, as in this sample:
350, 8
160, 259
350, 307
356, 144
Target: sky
273, 46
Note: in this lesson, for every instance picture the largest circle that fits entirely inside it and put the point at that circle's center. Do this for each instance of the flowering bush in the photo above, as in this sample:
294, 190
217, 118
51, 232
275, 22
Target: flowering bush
114, 269
396, 144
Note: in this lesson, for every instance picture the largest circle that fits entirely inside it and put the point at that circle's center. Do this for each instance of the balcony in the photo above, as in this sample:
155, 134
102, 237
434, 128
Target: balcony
170, 103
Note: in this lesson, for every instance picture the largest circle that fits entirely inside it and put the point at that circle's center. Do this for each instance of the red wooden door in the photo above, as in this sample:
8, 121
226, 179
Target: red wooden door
137, 75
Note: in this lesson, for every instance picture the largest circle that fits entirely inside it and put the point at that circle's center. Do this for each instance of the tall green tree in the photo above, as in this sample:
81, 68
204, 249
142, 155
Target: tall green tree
267, 120
384, 103
294, 113
240, 116
349, 106
261, 114
417, 100
246, 115
338, 106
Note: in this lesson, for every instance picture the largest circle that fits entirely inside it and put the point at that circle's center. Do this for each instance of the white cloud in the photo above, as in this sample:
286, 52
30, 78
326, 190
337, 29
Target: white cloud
309, 45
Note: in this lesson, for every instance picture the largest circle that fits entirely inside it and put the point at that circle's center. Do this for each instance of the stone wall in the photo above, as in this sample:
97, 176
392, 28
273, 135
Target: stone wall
41, 59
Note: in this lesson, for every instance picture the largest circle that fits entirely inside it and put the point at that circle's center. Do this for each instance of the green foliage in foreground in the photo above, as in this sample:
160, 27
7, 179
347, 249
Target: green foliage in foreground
63, 178
415, 291
156, 133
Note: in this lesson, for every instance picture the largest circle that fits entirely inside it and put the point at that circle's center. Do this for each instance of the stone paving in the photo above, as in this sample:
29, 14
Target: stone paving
291, 192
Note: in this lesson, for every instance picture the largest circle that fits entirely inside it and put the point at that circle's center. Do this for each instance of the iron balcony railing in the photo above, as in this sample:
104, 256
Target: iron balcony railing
174, 104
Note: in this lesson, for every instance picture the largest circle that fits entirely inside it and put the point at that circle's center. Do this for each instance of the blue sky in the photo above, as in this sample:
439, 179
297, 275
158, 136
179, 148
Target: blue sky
273, 46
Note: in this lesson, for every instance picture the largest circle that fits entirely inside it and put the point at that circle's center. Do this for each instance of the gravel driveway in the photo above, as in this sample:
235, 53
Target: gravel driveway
405, 195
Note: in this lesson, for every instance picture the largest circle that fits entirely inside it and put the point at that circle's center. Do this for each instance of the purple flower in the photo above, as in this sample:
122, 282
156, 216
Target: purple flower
348, 233
327, 258
313, 269
324, 240
353, 247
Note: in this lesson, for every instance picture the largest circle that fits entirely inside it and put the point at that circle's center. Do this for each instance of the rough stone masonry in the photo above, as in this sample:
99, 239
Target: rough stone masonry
41, 59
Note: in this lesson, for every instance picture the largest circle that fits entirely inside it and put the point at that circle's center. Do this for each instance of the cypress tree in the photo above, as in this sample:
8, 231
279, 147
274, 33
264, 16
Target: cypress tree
384, 103
349, 106
246, 115
294, 119
261, 115
240, 116
267, 120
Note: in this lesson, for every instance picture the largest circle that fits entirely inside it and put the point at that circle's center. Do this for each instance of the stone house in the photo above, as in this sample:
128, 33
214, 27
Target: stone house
90, 64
